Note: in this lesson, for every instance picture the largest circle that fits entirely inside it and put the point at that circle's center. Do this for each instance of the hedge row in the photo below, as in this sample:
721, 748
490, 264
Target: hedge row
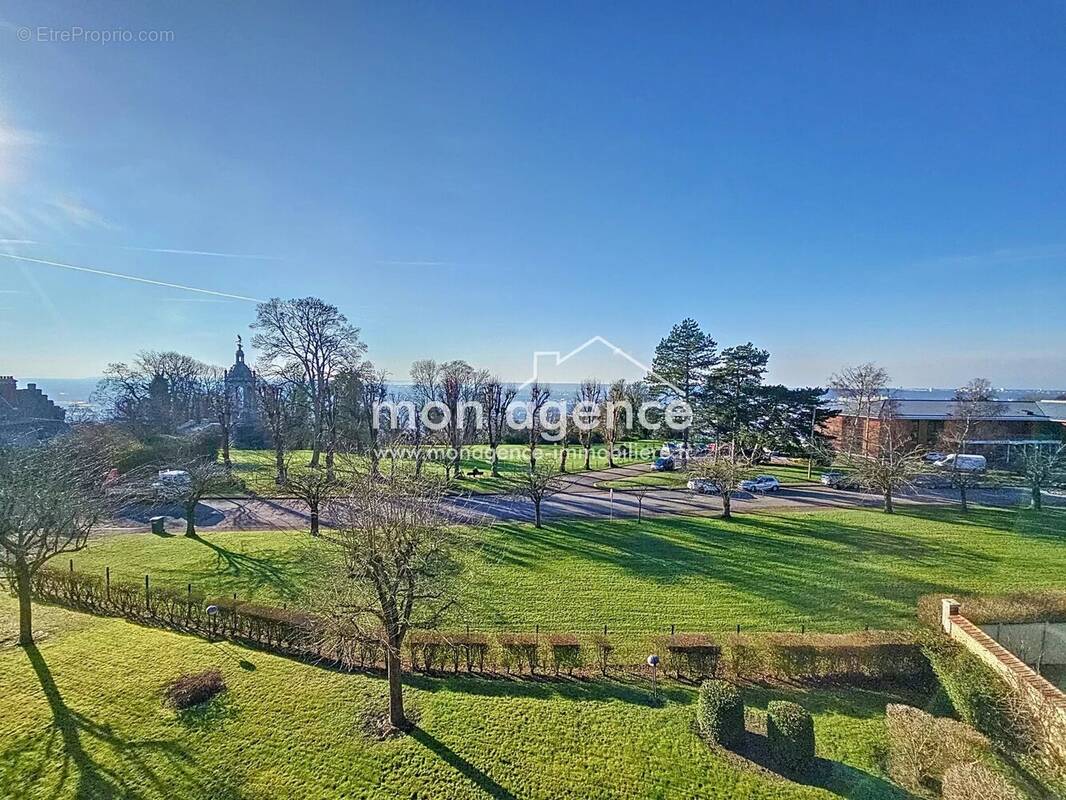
1044, 605
870, 655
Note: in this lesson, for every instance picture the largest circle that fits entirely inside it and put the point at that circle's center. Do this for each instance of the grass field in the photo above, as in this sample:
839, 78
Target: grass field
827, 570
792, 473
256, 467
82, 717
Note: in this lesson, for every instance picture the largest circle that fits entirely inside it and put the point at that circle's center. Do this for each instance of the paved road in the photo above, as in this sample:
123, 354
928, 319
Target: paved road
581, 498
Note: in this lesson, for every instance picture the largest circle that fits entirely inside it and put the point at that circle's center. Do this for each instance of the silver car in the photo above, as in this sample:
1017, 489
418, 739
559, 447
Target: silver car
763, 483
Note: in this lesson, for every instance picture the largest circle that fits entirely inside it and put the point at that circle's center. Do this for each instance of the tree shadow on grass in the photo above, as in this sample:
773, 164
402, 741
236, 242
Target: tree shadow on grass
834, 776
476, 776
259, 572
632, 691
72, 731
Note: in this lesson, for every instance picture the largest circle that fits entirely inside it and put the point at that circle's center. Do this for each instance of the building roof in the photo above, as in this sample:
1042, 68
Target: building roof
1004, 410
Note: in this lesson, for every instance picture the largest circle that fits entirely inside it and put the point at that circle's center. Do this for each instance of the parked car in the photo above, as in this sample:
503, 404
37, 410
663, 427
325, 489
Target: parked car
762, 483
838, 480
702, 486
934, 455
171, 481
664, 464
668, 449
963, 463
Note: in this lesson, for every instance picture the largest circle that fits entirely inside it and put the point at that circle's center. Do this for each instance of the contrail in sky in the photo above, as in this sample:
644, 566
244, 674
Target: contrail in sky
134, 278
203, 253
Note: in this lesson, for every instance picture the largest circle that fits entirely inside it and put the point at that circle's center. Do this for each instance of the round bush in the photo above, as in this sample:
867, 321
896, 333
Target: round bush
967, 781
790, 735
720, 712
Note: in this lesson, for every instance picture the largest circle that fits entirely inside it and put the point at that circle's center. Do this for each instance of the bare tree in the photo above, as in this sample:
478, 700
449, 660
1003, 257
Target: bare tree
220, 406
426, 388
972, 414
51, 496
402, 560
202, 477
861, 387
156, 392
1043, 465
724, 475
589, 408
496, 400
315, 488
538, 483
539, 394
275, 407
893, 460
611, 426
312, 338
460, 393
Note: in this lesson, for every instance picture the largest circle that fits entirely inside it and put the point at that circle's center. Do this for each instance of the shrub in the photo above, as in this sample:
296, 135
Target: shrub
790, 735
194, 688
519, 650
870, 655
977, 782
695, 655
604, 648
566, 651
720, 712
921, 747
1044, 605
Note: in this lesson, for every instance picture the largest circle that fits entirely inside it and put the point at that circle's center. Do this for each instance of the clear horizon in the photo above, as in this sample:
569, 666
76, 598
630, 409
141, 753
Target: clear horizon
837, 184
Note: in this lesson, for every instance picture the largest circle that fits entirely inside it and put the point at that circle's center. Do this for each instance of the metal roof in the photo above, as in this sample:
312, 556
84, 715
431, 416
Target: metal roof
1004, 410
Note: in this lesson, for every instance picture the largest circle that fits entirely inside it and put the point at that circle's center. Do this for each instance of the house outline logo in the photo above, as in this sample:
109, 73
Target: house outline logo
615, 349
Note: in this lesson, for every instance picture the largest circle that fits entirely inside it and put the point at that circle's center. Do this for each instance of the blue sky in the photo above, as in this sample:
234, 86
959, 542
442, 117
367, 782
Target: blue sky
834, 181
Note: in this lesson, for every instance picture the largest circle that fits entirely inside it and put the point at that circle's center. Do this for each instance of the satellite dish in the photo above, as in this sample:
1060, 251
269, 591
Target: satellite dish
653, 660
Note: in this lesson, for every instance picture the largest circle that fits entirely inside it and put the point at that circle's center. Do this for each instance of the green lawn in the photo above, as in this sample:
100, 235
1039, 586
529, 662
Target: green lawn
792, 473
256, 467
81, 717
827, 570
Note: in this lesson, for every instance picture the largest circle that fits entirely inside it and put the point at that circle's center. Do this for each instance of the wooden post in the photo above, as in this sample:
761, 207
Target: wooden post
147, 596
107, 582
72, 565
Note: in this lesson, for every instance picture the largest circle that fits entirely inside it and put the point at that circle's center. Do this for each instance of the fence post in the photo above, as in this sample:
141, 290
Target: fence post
107, 582
671, 630
147, 596
803, 629
738, 630
604, 630
72, 565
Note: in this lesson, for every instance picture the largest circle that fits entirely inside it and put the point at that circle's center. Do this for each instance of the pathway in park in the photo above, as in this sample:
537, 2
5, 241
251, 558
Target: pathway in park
581, 498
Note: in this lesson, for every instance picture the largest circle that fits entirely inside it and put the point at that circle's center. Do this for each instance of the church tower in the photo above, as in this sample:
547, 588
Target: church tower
244, 401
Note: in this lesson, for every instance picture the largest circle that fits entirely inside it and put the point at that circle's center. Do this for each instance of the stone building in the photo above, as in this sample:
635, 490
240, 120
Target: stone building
242, 387
27, 414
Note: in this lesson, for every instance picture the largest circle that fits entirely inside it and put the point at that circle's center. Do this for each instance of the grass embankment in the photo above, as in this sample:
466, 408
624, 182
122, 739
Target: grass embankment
256, 467
82, 716
831, 571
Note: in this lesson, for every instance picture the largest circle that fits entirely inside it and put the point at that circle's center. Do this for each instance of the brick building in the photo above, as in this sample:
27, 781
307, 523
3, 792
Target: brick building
922, 422
27, 414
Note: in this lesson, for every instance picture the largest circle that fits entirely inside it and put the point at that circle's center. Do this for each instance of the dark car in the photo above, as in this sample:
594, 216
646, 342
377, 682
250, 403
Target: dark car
664, 465
838, 480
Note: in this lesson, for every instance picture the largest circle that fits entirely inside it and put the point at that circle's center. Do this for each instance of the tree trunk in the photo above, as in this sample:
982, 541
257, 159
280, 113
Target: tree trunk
562, 460
888, 501
226, 462
962, 497
1037, 501
495, 461
458, 461
279, 462
536, 513
190, 519
314, 518
22, 584
725, 506
588, 454
397, 717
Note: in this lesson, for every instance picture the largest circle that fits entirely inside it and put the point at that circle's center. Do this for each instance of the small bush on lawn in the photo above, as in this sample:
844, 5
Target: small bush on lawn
519, 650
566, 652
977, 782
720, 712
790, 735
695, 655
922, 748
194, 688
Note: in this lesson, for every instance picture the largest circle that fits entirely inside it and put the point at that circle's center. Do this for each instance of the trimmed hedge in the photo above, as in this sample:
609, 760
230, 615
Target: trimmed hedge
870, 655
692, 655
520, 650
1043, 605
566, 652
720, 712
970, 781
790, 735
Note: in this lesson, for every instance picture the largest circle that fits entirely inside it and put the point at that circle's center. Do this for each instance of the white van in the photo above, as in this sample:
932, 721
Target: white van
963, 463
